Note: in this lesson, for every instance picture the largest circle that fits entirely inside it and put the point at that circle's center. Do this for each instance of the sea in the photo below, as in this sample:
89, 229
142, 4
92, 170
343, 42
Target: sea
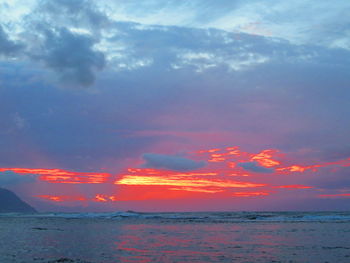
131, 236
204, 217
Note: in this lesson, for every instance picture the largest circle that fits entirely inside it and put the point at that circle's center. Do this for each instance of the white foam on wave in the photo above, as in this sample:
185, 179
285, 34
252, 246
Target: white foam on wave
209, 216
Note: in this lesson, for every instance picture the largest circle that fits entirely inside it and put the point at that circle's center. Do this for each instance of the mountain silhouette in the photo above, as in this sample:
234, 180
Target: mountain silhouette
11, 203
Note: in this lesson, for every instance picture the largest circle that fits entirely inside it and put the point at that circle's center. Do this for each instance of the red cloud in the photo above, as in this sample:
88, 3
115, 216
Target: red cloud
63, 176
223, 174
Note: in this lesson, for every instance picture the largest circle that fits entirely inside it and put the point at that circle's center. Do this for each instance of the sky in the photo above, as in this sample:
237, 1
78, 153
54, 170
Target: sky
154, 105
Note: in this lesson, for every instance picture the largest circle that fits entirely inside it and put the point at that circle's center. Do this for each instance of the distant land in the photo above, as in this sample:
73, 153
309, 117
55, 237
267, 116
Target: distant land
11, 203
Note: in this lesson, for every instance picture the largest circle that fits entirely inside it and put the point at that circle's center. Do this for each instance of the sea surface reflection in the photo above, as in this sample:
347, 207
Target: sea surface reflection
132, 240
197, 243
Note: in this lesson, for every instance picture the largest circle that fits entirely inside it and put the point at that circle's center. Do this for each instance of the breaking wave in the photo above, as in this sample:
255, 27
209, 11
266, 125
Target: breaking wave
208, 217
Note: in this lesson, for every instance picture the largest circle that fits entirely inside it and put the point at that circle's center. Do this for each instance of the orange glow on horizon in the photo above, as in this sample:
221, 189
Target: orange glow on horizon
249, 194
178, 181
62, 176
222, 174
105, 198
62, 198
194, 189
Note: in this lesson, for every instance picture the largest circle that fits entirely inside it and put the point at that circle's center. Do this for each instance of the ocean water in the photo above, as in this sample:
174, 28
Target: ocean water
206, 217
241, 237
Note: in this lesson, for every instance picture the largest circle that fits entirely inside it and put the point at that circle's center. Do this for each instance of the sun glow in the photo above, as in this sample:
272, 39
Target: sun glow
62, 198
249, 194
179, 181
221, 176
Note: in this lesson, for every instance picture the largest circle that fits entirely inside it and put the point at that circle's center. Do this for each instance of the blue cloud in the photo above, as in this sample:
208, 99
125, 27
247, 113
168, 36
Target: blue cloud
255, 167
7, 46
72, 56
170, 162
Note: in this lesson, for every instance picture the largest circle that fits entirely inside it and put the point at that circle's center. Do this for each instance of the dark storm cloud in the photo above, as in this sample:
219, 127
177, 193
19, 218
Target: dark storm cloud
72, 56
170, 162
63, 35
255, 167
7, 46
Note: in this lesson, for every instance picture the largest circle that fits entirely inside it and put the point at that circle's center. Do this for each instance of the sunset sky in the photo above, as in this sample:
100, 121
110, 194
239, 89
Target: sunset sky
193, 105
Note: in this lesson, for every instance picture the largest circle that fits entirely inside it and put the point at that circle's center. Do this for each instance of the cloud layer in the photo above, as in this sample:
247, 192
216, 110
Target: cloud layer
163, 77
72, 56
255, 167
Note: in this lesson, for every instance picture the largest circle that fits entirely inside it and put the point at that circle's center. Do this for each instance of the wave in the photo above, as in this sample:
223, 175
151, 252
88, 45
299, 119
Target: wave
208, 217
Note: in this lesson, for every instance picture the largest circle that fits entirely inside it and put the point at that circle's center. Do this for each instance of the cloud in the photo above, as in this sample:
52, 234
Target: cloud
63, 35
198, 50
255, 167
194, 13
72, 55
289, 20
7, 46
188, 87
170, 162
11, 178
73, 13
